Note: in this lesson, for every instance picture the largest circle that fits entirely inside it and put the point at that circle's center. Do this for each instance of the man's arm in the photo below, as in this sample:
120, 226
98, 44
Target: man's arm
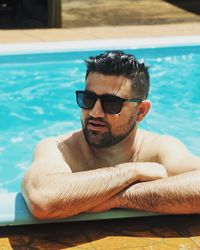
177, 194
51, 190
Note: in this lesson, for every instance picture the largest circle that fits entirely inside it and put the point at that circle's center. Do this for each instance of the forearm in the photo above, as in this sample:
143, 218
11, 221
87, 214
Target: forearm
62, 195
178, 195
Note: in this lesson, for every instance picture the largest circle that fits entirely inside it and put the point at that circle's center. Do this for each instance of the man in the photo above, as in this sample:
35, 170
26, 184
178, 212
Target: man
111, 163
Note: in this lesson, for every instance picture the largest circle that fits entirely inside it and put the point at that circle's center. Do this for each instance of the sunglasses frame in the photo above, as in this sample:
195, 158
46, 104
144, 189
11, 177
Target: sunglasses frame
122, 100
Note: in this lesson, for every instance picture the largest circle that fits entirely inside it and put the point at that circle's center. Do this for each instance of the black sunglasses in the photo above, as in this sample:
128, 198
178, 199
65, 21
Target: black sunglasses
111, 104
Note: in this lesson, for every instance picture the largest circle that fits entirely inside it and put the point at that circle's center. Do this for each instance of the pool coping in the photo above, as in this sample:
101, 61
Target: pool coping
15, 212
87, 45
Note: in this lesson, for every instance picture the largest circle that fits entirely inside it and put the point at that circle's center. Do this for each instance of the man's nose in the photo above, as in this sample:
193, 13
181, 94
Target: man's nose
97, 110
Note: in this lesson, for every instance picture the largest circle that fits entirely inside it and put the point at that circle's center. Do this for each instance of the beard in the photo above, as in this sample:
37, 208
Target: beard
107, 139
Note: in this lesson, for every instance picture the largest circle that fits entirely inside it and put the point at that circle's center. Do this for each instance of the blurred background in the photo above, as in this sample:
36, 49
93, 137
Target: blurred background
25, 14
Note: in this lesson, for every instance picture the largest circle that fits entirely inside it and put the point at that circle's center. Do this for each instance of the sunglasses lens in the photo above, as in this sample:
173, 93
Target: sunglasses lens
85, 100
111, 104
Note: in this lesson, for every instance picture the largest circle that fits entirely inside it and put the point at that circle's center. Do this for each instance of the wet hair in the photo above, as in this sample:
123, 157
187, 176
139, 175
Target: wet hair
119, 63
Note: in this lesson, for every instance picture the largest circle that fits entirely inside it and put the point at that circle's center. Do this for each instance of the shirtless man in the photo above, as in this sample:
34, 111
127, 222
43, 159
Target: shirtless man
111, 163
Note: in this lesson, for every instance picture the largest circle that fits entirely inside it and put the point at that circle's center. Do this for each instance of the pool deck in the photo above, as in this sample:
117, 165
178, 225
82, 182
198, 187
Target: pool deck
92, 33
165, 232
149, 233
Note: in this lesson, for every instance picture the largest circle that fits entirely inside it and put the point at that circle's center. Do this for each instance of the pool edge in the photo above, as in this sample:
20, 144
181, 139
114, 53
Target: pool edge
70, 46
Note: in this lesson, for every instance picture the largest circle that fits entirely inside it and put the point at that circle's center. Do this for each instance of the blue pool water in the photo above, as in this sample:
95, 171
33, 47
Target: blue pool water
37, 100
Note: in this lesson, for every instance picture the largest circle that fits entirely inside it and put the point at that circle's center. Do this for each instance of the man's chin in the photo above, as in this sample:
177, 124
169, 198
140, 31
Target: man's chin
94, 138
100, 141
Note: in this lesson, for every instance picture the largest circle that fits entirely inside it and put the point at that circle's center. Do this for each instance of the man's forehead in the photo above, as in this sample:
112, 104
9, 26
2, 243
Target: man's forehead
109, 81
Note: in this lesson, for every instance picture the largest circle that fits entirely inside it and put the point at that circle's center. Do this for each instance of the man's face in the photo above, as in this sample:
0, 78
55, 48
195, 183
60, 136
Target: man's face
102, 129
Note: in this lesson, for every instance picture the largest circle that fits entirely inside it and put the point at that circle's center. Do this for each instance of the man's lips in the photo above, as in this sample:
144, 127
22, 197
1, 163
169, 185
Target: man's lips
96, 125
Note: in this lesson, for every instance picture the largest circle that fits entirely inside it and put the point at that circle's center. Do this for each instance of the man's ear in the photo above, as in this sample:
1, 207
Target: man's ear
143, 110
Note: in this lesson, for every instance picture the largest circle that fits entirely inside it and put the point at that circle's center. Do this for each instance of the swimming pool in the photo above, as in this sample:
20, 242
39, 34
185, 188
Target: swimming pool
37, 100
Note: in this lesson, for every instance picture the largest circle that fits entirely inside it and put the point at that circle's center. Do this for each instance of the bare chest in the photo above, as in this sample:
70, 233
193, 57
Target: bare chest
81, 158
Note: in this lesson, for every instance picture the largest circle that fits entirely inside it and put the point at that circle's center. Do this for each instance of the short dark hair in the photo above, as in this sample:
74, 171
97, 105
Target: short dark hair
119, 63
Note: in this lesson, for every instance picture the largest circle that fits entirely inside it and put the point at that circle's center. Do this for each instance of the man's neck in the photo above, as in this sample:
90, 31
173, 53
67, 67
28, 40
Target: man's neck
121, 152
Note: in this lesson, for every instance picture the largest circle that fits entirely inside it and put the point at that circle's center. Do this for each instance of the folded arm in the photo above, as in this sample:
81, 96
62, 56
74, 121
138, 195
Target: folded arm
51, 190
177, 194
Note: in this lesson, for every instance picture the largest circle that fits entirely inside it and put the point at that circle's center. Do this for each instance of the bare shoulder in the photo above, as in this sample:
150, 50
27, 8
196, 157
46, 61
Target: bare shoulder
74, 150
161, 143
171, 145
147, 135
69, 142
51, 145
168, 151
52, 153
68, 136
147, 145
175, 155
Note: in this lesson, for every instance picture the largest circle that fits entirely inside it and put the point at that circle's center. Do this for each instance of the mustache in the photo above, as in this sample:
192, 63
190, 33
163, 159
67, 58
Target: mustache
90, 119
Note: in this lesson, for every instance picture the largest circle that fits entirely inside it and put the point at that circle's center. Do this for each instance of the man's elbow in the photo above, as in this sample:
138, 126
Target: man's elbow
36, 204
42, 207
39, 210
44, 210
